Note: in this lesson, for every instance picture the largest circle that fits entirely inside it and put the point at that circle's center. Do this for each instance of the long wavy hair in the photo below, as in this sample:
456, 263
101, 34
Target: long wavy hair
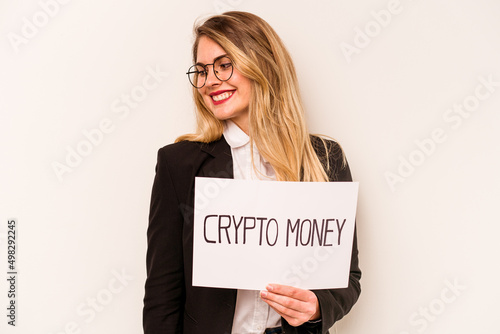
276, 116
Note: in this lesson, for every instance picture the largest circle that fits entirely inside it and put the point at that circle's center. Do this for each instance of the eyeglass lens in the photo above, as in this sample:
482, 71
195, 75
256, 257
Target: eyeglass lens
223, 69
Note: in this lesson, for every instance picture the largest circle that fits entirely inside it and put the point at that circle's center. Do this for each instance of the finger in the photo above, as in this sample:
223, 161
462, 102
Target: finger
293, 317
292, 292
283, 301
291, 306
308, 303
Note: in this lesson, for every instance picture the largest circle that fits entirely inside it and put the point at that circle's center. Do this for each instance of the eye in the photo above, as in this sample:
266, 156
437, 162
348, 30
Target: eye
225, 66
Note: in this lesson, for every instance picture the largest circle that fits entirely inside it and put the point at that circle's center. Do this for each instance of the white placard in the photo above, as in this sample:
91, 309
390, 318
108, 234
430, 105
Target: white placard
248, 234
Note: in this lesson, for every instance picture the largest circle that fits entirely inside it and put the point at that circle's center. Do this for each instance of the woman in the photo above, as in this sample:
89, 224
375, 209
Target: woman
250, 125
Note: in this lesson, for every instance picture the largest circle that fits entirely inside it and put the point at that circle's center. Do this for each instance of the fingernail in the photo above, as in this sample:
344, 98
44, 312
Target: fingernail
269, 288
263, 293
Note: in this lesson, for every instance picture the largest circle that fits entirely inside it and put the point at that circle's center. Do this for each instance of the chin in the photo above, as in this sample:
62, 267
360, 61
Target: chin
222, 115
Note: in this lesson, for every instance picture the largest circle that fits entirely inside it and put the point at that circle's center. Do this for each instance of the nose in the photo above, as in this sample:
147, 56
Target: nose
211, 77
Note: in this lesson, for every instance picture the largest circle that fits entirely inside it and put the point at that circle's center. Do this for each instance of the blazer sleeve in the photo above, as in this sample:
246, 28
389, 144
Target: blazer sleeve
334, 303
164, 288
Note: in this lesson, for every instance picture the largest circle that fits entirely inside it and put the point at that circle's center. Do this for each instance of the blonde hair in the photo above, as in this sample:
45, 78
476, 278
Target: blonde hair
276, 116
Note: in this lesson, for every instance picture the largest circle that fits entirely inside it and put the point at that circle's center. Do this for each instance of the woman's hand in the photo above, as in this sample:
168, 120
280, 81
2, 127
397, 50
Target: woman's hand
295, 305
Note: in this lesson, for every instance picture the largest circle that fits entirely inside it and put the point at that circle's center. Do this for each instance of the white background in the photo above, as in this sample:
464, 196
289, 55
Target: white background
437, 224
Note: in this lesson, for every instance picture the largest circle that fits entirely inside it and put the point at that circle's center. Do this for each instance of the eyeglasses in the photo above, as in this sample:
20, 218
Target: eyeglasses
223, 70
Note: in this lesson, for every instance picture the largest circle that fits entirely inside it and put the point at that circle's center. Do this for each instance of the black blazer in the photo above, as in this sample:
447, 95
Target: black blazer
171, 303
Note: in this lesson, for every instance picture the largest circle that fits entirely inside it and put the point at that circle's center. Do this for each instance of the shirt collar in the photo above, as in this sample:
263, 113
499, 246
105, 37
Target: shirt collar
234, 136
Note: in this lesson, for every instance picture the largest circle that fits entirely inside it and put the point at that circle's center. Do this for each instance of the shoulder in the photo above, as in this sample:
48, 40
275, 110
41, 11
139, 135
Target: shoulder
178, 164
182, 148
186, 155
325, 147
332, 157
193, 147
174, 160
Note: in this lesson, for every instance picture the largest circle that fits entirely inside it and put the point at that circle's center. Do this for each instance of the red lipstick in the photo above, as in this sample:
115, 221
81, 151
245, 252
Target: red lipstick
218, 93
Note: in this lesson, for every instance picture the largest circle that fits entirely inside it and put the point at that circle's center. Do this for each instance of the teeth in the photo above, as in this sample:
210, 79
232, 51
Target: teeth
222, 96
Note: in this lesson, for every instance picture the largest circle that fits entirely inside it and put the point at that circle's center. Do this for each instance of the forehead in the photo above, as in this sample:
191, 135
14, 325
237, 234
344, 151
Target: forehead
208, 50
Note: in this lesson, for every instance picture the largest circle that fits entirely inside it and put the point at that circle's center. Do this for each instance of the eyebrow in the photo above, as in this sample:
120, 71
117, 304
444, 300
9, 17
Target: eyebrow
215, 59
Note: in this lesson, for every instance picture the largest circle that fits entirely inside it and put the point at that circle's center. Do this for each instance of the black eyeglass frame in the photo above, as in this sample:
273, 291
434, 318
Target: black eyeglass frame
206, 70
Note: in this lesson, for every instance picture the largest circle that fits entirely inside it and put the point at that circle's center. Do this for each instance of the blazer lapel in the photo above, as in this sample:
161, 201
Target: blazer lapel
221, 162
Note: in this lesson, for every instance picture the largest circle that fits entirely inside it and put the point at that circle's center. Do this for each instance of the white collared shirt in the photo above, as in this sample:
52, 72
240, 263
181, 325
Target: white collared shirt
252, 315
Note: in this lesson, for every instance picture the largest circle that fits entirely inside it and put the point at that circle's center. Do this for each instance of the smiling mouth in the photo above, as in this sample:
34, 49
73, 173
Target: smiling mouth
221, 97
